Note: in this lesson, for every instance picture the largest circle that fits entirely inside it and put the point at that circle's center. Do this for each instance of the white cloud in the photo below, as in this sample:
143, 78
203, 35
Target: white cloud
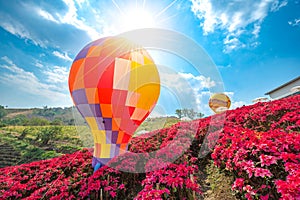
28, 83
204, 10
57, 75
236, 18
234, 104
6, 59
237, 104
296, 22
51, 25
176, 92
202, 102
231, 43
200, 81
199, 85
229, 94
81, 2
189, 90
256, 30
38, 64
63, 56
46, 15
71, 17
15, 27
278, 4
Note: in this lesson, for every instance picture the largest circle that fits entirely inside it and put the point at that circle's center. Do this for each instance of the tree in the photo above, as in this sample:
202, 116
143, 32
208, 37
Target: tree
25, 132
178, 112
185, 112
48, 133
190, 113
200, 115
36, 121
57, 122
19, 120
2, 112
71, 122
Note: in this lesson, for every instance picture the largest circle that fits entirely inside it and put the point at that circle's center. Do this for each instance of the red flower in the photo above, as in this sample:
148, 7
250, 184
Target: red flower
238, 184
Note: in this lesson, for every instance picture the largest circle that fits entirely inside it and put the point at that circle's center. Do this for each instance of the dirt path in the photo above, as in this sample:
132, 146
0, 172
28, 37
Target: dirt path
216, 184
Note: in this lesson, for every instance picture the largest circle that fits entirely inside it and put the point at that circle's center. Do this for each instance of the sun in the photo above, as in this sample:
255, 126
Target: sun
136, 19
132, 16
137, 16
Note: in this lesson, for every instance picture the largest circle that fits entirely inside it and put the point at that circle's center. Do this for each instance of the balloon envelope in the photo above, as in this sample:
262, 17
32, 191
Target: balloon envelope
114, 85
219, 102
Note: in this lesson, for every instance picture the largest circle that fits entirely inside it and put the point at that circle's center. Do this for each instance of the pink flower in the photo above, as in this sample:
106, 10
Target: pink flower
262, 172
249, 190
122, 186
266, 197
238, 184
267, 160
113, 194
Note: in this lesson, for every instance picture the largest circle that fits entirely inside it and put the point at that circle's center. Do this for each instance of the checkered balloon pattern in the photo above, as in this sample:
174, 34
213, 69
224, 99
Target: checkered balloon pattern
114, 85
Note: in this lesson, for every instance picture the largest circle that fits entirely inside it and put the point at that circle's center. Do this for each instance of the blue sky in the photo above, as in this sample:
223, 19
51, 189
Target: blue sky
255, 45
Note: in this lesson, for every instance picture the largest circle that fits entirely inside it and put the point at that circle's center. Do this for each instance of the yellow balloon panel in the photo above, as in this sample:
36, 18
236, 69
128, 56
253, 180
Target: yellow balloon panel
148, 95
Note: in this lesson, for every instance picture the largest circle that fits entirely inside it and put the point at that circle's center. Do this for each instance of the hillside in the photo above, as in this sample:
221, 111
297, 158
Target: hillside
14, 112
68, 116
254, 151
19, 116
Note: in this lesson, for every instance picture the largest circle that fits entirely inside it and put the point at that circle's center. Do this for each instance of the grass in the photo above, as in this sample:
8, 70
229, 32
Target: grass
30, 149
151, 124
24, 141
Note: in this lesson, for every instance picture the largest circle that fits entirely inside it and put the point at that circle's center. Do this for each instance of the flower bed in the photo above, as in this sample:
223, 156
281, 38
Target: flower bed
258, 144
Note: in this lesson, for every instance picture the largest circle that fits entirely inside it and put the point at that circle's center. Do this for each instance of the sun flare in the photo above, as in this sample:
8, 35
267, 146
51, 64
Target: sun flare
136, 19
140, 15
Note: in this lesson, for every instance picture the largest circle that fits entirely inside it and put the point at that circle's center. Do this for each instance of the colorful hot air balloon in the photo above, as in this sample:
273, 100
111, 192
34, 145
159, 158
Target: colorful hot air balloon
114, 85
219, 102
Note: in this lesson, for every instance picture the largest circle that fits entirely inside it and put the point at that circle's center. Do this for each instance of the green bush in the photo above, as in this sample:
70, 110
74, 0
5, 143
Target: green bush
2, 124
48, 133
2, 112
49, 154
36, 121
68, 149
25, 132
32, 154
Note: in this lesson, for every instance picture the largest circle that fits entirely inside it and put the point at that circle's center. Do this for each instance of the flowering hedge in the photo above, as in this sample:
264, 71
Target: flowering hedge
177, 180
48, 178
264, 163
67, 177
258, 144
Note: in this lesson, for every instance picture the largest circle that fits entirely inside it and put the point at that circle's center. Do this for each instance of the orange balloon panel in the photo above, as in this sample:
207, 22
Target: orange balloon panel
114, 85
219, 102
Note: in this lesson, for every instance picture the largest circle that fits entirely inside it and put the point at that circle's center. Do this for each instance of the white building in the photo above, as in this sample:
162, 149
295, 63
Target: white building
290, 88
260, 99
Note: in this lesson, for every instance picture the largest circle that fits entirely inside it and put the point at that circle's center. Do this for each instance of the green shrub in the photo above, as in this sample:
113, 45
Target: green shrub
49, 154
48, 133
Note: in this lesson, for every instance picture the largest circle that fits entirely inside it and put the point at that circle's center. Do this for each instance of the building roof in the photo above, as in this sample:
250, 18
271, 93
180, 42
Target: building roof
295, 79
